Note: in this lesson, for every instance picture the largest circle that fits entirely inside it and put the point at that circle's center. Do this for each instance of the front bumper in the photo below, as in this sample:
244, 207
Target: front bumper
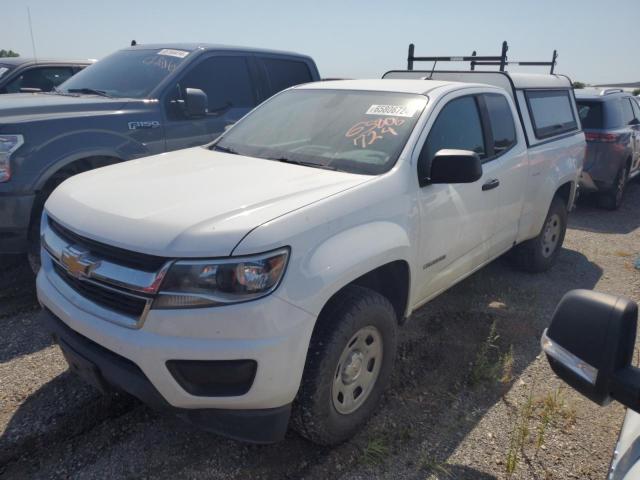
15, 216
270, 331
107, 370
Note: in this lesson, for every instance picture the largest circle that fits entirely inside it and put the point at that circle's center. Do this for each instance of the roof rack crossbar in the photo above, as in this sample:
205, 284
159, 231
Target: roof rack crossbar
609, 91
477, 60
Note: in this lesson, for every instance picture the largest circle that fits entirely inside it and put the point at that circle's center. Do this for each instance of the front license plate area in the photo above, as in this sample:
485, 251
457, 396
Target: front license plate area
82, 367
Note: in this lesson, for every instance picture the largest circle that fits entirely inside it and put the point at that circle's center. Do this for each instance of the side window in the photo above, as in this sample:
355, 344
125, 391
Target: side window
551, 112
501, 119
43, 79
636, 108
285, 73
225, 80
627, 111
458, 126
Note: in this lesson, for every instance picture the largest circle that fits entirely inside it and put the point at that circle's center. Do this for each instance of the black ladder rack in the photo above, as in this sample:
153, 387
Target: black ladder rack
477, 60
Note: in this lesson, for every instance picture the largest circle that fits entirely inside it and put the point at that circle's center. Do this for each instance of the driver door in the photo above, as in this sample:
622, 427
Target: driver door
457, 221
231, 93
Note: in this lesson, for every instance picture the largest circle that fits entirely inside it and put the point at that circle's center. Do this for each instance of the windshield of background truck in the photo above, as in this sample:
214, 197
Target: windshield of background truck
349, 130
127, 73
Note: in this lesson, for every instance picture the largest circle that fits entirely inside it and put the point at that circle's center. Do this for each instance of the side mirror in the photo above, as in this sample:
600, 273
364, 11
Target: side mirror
196, 103
590, 343
455, 166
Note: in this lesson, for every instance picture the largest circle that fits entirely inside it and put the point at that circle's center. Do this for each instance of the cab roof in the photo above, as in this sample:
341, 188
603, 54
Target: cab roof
192, 47
419, 87
17, 61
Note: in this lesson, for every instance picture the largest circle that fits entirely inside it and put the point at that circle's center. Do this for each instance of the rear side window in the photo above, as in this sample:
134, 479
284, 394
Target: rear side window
591, 115
501, 119
627, 111
225, 80
636, 108
551, 112
285, 73
458, 126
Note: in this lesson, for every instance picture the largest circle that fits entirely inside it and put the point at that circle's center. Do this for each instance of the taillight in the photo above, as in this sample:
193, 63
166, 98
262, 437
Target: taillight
602, 137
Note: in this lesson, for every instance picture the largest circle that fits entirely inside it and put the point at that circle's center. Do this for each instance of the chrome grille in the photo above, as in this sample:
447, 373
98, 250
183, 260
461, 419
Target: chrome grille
102, 275
111, 298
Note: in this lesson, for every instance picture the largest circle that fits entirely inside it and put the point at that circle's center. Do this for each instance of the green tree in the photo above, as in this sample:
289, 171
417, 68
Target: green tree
636, 91
578, 85
8, 53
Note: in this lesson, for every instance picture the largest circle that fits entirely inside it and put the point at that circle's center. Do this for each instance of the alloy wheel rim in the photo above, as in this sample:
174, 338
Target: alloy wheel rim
551, 235
357, 370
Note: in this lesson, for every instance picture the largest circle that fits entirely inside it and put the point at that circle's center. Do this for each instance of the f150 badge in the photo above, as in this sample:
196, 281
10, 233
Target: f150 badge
146, 124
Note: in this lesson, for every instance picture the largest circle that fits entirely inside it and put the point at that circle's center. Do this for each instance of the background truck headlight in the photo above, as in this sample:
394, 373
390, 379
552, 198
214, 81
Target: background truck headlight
209, 283
8, 145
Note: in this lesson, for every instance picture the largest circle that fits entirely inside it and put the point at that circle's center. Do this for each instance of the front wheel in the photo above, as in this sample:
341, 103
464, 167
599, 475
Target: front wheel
348, 365
539, 253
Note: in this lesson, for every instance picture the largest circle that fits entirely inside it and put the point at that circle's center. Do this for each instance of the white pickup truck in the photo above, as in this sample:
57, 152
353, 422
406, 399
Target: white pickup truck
264, 277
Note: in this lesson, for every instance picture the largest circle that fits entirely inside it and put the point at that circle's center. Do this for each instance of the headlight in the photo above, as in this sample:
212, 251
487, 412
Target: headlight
209, 283
8, 145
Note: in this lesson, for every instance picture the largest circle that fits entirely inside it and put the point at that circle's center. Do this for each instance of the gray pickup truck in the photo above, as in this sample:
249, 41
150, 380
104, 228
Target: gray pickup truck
139, 101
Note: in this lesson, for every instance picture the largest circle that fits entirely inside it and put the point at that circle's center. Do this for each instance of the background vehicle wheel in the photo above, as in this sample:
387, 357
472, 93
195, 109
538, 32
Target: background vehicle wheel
348, 365
539, 253
33, 253
612, 199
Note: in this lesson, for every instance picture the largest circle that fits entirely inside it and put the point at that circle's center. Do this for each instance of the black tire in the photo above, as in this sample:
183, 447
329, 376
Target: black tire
536, 255
314, 413
33, 252
612, 200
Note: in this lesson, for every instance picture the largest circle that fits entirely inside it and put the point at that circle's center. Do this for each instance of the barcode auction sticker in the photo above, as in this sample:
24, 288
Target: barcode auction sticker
173, 53
394, 110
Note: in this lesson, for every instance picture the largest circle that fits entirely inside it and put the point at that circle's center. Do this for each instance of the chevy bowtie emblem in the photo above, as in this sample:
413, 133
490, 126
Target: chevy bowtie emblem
78, 262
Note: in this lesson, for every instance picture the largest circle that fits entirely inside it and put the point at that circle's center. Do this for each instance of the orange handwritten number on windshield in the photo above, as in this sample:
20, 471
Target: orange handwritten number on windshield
367, 133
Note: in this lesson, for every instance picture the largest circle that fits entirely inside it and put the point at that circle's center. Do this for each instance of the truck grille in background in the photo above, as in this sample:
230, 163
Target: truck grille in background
111, 298
127, 258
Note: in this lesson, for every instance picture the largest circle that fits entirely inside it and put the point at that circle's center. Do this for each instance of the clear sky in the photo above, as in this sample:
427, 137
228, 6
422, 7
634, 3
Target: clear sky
598, 41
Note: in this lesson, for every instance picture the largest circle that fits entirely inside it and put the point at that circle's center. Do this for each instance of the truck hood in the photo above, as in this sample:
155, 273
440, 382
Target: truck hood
188, 203
21, 107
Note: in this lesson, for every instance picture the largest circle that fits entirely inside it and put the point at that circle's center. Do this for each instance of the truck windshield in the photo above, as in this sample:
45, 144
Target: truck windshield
126, 73
354, 131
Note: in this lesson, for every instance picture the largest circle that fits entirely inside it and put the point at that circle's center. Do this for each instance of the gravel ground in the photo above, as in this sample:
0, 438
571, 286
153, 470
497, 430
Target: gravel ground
471, 397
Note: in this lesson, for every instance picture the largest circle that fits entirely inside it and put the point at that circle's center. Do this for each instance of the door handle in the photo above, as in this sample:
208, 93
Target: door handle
491, 184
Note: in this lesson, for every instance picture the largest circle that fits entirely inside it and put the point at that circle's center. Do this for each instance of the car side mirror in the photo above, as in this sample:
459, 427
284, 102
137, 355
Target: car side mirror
455, 166
590, 344
196, 103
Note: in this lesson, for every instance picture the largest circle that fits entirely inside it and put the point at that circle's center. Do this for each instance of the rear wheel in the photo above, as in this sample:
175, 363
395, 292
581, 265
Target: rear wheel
612, 199
539, 253
348, 365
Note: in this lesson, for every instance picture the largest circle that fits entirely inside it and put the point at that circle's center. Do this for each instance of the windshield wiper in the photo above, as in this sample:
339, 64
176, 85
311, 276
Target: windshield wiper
218, 148
89, 91
305, 164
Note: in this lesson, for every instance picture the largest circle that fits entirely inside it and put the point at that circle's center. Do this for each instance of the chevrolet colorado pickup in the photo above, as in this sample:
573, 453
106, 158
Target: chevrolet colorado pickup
263, 277
139, 101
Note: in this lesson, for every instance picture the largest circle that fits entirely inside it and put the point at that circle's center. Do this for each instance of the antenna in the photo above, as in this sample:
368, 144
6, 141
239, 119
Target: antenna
33, 42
